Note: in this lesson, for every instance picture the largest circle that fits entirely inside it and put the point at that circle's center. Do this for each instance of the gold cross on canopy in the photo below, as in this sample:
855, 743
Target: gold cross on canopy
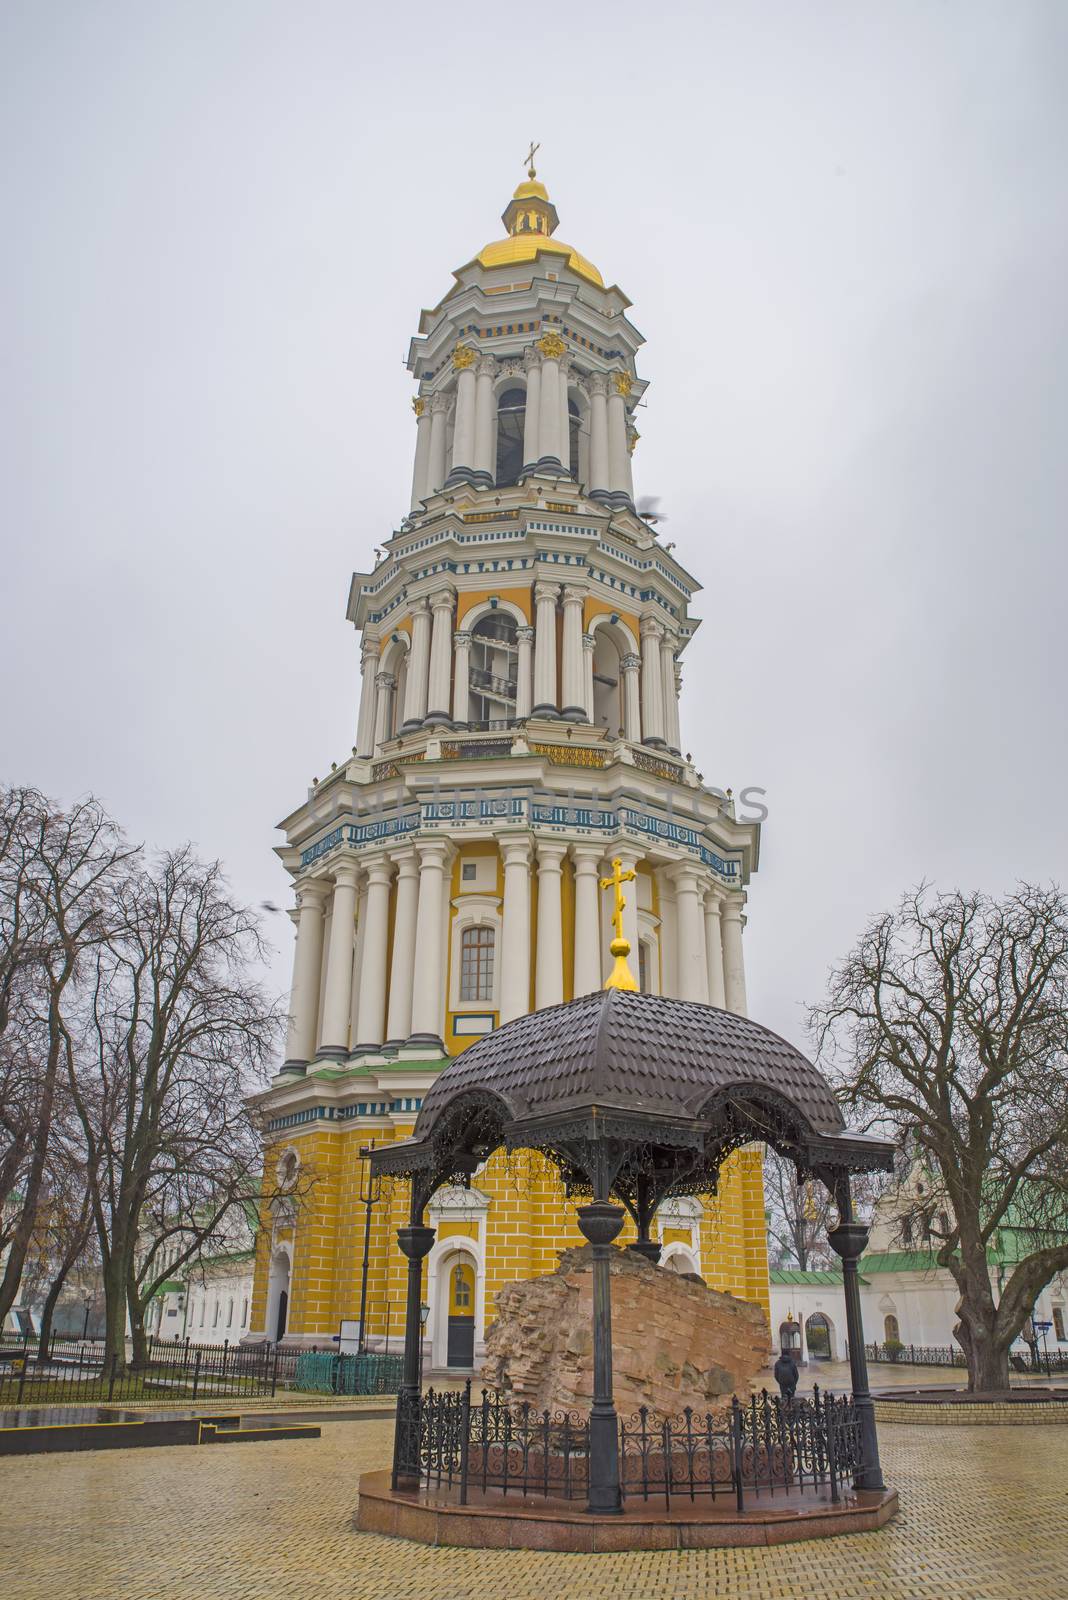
529, 159
621, 976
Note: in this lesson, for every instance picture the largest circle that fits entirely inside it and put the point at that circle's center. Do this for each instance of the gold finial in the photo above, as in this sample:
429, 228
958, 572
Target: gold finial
621, 976
529, 159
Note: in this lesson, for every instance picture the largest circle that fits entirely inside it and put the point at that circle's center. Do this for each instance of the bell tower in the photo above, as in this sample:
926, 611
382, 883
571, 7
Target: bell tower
521, 642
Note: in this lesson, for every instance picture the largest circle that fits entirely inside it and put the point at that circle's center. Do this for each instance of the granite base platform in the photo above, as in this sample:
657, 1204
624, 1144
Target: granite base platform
498, 1522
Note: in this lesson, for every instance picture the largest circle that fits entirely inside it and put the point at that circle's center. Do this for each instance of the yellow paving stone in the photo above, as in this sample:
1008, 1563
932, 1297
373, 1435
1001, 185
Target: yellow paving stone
984, 1517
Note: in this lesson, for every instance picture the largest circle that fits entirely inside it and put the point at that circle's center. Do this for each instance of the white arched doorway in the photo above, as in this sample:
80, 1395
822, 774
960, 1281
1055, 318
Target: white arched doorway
676, 1258
278, 1295
455, 1290
820, 1337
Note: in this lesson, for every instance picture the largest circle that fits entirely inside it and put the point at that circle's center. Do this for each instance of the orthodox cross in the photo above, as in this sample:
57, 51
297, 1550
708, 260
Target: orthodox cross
616, 882
529, 159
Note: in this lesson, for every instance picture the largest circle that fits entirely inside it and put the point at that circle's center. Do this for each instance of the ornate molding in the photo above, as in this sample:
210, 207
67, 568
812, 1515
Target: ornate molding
463, 357
440, 402
598, 383
624, 383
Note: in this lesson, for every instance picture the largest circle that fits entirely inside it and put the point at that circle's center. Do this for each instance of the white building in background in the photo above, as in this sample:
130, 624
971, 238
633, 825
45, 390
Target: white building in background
209, 1301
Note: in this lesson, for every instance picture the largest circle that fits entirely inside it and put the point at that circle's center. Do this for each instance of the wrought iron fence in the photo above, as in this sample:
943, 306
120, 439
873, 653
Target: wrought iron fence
65, 1373
926, 1355
763, 1447
330, 1373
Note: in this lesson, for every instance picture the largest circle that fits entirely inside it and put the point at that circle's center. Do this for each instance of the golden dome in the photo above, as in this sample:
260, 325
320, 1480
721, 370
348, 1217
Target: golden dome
531, 220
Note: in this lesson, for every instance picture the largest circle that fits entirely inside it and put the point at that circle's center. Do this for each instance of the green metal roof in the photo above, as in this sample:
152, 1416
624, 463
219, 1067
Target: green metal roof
899, 1261
795, 1278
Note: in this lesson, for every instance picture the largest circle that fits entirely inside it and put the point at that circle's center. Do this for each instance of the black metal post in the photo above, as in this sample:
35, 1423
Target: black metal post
369, 1191
600, 1224
644, 1211
415, 1241
849, 1241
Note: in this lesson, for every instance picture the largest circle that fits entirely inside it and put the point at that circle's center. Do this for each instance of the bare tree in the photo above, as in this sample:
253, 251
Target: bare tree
56, 872
798, 1217
948, 1024
172, 1034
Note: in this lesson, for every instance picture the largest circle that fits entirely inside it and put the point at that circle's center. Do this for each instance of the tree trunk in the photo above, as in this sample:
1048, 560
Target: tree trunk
138, 1337
115, 1310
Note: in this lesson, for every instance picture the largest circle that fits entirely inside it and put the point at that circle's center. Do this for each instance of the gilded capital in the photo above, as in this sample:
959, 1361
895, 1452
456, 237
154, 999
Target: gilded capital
463, 357
419, 405
632, 439
551, 346
624, 383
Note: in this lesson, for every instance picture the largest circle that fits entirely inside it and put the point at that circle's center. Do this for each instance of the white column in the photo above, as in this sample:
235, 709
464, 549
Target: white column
357, 961
415, 684
545, 650
691, 965
573, 696
563, 420
532, 413
365, 725
307, 967
439, 407
549, 964
552, 437
421, 470
714, 950
337, 1002
733, 960
668, 694
632, 707
652, 684
402, 967
485, 411
463, 429
632, 440
669, 932
589, 645
461, 672
524, 687
599, 478
429, 984
515, 930
618, 459
586, 858
385, 683
440, 657
372, 979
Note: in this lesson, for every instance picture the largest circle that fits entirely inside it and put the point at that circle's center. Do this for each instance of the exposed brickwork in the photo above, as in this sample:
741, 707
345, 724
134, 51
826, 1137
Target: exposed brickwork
675, 1342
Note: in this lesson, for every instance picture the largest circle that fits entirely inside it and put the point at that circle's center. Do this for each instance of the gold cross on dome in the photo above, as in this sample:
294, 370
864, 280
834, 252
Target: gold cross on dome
529, 159
616, 882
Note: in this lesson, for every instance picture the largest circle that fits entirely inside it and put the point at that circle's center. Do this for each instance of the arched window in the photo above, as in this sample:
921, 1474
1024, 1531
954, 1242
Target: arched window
511, 422
476, 964
494, 669
891, 1329
574, 425
607, 686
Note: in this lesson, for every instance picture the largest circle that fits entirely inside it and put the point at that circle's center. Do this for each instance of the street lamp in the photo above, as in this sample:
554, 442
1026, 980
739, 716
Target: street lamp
370, 1194
424, 1313
85, 1324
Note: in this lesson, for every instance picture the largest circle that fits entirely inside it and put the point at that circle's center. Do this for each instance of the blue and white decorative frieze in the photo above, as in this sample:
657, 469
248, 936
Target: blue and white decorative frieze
675, 833
361, 833
564, 816
511, 808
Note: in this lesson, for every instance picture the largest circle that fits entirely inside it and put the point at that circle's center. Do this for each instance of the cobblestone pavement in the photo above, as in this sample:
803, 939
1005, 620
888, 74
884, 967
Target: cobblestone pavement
984, 1517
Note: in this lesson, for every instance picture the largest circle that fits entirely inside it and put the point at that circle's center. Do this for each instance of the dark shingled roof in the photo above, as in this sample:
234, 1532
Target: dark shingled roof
638, 1052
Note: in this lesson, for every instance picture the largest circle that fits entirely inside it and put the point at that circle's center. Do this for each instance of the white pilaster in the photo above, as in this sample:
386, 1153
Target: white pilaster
337, 1001
549, 964
385, 684
485, 411
461, 672
515, 930
545, 650
691, 964
574, 694
365, 725
439, 408
532, 413
307, 967
668, 694
372, 977
415, 685
429, 983
586, 860
552, 430
714, 949
618, 458
402, 967
599, 477
589, 645
440, 657
463, 432
668, 932
652, 683
524, 687
632, 706
421, 471
733, 959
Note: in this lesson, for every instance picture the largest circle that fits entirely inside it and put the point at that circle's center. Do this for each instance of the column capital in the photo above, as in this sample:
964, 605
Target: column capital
370, 650
651, 628
525, 635
419, 406
419, 606
589, 642
630, 662
487, 366
440, 402
572, 596
713, 901
515, 851
551, 346
462, 638
551, 853
685, 875
442, 599
622, 383
669, 641
598, 383
544, 591
732, 906
463, 357
586, 858
312, 895
347, 875
431, 849
379, 868
531, 357
406, 862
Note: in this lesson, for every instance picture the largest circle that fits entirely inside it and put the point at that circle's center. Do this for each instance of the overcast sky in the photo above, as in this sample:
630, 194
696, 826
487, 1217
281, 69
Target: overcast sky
845, 234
